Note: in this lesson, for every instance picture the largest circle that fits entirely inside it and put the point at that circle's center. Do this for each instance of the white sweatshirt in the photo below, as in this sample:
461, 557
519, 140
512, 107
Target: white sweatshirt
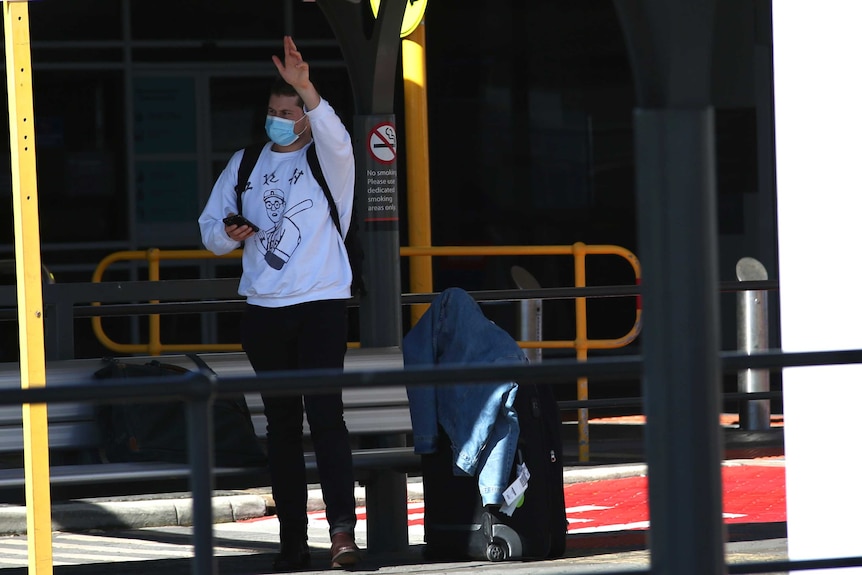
297, 255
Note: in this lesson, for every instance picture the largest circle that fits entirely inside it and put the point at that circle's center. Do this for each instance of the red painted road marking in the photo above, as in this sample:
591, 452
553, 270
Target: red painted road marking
751, 494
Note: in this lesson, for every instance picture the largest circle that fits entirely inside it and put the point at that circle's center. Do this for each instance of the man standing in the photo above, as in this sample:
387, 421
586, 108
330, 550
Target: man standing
296, 304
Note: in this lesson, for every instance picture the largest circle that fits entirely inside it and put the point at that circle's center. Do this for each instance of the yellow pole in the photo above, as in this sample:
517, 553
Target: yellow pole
28, 270
582, 345
418, 186
155, 340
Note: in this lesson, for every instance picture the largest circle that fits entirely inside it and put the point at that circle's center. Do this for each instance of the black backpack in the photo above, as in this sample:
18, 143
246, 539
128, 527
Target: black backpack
355, 252
150, 431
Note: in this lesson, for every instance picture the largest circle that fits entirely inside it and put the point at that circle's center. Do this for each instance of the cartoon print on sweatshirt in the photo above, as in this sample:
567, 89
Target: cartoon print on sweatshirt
278, 242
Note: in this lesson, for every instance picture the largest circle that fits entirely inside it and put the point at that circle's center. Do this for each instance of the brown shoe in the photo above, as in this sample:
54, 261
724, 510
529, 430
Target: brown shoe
344, 551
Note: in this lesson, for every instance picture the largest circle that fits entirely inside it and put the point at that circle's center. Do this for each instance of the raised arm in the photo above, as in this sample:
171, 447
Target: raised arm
294, 70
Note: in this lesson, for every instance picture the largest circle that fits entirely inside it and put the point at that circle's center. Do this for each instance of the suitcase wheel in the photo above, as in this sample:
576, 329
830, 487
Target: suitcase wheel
496, 552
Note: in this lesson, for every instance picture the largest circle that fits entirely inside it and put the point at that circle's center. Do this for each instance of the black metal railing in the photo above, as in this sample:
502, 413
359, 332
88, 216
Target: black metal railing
198, 391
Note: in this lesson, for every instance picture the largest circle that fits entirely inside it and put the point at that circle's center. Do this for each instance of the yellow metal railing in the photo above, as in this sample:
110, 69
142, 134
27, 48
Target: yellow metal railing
581, 343
579, 251
154, 345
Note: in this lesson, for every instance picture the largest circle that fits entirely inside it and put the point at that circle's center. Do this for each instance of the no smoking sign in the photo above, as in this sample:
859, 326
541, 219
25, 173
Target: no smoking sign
382, 142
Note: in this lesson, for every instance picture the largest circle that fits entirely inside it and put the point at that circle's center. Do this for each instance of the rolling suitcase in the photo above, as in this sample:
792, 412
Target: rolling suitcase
456, 524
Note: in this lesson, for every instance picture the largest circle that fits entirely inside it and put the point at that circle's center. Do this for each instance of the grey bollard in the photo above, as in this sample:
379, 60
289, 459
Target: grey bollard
752, 336
529, 313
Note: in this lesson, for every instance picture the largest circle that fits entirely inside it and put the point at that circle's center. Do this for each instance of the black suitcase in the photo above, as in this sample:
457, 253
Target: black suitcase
456, 524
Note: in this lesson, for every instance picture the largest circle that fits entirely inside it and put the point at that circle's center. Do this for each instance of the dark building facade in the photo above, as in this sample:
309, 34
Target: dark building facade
139, 105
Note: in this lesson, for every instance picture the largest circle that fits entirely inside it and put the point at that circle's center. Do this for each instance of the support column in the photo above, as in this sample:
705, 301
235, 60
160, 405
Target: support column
670, 49
681, 381
371, 54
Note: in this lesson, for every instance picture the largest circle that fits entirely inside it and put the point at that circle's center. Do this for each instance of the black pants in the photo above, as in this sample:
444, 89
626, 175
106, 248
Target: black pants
305, 336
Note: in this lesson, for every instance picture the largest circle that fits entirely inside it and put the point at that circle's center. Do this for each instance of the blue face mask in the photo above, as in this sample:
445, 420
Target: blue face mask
280, 130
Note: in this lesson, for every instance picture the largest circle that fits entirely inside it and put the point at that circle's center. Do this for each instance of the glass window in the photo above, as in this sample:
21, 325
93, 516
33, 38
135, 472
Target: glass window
164, 115
207, 20
80, 160
64, 20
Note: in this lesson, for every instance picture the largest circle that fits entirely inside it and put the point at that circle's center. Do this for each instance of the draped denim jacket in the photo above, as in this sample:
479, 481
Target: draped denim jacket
478, 418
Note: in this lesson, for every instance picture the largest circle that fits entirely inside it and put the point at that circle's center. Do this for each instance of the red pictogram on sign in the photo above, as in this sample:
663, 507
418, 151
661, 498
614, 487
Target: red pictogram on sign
382, 143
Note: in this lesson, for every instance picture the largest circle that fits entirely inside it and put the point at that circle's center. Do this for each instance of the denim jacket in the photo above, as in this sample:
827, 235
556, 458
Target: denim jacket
478, 418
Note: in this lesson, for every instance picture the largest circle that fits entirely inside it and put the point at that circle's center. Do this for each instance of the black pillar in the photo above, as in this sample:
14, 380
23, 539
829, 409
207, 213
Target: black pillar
370, 47
670, 47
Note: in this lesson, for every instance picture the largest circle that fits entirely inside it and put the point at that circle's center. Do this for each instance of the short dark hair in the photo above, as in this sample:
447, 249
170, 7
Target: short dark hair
281, 88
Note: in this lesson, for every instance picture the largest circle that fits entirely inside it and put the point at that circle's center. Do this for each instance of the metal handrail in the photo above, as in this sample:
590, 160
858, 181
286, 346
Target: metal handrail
154, 256
197, 390
578, 251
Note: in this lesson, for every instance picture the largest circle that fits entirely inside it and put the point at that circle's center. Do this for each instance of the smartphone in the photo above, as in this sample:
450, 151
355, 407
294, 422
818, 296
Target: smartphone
238, 220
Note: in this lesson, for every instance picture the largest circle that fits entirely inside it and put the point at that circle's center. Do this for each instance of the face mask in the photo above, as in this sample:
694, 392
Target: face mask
280, 130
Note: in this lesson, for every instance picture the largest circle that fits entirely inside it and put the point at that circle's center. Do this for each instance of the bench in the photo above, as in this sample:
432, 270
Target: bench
377, 418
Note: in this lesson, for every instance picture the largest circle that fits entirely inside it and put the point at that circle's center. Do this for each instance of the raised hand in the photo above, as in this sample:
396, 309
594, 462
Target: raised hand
293, 68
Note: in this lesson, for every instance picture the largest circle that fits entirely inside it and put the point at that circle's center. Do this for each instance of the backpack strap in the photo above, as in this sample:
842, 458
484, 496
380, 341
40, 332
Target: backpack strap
317, 172
246, 165
350, 239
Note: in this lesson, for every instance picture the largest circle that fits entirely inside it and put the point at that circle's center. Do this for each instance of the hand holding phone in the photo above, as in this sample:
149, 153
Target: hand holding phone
238, 220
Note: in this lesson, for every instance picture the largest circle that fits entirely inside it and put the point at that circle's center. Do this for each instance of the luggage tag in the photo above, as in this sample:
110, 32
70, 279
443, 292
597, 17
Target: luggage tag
514, 494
